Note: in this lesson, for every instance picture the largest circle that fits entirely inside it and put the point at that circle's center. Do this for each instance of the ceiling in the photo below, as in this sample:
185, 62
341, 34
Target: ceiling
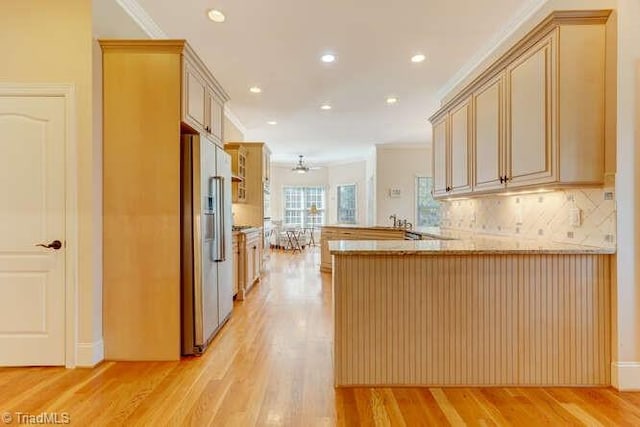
277, 45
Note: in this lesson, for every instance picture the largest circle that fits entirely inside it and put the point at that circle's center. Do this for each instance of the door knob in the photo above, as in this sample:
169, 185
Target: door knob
56, 244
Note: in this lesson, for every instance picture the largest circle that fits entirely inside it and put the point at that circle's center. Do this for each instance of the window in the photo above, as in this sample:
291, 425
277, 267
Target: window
427, 209
347, 204
298, 202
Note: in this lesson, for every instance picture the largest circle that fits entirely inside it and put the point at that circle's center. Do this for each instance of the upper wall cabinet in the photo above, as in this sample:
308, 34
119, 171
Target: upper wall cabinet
531, 120
202, 99
440, 157
460, 148
489, 135
536, 117
452, 151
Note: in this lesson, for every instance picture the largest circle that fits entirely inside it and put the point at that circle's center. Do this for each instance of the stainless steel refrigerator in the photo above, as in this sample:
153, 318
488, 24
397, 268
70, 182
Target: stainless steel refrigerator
207, 288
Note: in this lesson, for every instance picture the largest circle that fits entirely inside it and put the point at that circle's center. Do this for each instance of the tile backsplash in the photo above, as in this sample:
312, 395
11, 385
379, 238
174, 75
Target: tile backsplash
544, 215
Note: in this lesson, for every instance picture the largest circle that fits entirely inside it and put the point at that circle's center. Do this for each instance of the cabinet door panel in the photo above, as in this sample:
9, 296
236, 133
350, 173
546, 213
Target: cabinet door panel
440, 158
215, 116
460, 176
194, 108
489, 136
249, 265
530, 118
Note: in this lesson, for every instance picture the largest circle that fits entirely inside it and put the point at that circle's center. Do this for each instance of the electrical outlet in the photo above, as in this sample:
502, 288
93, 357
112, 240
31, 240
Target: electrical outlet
575, 217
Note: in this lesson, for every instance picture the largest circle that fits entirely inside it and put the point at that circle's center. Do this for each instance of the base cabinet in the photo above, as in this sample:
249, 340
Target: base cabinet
249, 253
236, 261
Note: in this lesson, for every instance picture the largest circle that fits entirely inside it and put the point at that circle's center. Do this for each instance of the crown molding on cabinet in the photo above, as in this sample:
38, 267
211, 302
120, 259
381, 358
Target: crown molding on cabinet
553, 20
142, 18
229, 114
525, 13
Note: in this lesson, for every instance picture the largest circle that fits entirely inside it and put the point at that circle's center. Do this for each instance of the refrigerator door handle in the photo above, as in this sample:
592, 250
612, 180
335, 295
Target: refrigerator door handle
220, 252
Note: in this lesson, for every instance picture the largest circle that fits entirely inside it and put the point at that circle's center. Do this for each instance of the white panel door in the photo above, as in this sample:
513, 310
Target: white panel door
32, 211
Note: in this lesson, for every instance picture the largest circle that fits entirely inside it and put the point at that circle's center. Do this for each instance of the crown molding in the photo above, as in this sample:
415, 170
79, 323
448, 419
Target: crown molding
229, 114
492, 46
142, 18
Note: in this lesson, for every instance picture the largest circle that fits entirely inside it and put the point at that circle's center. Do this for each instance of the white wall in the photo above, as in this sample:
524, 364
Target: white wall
348, 173
370, 186
328, 177
397, 167
281, 176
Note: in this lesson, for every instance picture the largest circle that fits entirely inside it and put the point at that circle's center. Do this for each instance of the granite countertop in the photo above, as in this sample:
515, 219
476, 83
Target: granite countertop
363, 227
459, 247
246, 230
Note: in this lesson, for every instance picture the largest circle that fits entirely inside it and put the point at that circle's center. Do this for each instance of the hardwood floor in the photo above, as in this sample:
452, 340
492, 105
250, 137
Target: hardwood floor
271, 365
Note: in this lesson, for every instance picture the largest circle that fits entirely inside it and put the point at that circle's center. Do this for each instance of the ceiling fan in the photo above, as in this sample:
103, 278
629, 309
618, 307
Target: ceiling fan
301, 167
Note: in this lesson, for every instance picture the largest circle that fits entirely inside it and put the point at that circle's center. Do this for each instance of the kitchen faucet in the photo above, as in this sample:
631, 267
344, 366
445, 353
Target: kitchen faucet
395, 220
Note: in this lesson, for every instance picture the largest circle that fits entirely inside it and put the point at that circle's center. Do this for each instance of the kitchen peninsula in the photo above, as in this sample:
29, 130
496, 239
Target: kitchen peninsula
482, 311
353, 232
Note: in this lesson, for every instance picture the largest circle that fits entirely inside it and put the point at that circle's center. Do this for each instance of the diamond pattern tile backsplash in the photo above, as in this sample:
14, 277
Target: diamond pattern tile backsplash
544, 216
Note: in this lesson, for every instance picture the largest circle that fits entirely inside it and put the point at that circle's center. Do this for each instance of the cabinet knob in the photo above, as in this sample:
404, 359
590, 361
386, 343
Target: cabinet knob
501, 179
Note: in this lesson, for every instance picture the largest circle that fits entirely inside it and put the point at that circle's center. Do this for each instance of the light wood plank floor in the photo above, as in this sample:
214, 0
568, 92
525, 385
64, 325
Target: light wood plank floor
271, 365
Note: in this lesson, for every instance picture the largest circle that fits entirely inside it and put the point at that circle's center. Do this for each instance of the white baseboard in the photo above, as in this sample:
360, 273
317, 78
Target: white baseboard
90, 354
625, 376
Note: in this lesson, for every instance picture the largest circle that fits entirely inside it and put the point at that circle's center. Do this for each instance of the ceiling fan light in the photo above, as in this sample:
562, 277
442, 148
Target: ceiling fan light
300, 167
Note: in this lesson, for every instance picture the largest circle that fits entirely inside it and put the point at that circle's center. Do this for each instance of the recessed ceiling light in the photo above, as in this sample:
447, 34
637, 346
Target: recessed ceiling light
418, 58
216, 15
272, 122
392, 100
325, 107
328, 57
255, 89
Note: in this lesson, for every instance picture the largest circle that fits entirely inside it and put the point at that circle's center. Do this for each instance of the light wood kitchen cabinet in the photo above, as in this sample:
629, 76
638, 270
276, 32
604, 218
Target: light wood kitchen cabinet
537, 116
440, 156
143, 116
253, 209
489, 136
531, 148
202, 101
193, 107
238, 171
249, 259
460, 150
452, 151
236, 262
